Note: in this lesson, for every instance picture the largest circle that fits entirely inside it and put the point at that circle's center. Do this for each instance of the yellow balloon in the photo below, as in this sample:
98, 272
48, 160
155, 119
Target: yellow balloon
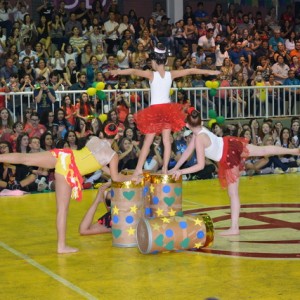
91, 91
171, 92
208, 84
102, 118
211, 122
100, 86
215, 84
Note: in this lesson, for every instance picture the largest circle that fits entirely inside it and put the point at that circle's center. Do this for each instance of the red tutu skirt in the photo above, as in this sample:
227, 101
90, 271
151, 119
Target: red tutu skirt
235, 153
156, 118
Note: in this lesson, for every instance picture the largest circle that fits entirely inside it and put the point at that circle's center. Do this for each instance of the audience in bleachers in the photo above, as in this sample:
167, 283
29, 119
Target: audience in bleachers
72, 50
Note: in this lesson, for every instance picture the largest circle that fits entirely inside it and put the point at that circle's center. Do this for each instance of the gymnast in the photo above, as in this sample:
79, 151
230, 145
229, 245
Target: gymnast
230, 152
162, 116
70, 165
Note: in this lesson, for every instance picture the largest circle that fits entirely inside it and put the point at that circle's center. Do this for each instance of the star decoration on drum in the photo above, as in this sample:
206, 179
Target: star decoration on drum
198, 222
115, 210
156, 226
172, 212
198, 245
159, 212
152, 188
130, 231
166, 220
133, 209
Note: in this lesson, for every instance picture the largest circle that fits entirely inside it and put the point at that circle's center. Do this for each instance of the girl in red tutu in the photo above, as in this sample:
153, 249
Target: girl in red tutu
162, 116
230, 152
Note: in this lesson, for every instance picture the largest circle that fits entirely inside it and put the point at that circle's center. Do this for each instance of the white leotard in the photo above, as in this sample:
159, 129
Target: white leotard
215, 150
160, 88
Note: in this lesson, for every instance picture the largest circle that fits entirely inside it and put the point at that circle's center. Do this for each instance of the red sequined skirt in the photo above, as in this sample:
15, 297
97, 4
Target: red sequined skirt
235, 153
156, 118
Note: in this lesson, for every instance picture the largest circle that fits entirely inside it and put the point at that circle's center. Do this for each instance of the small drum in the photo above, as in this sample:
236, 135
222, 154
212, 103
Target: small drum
146, 190
127, 209
166, 195
175, 233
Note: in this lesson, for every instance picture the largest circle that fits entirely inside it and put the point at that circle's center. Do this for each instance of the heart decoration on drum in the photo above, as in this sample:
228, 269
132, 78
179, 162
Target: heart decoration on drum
129, 195
169, 200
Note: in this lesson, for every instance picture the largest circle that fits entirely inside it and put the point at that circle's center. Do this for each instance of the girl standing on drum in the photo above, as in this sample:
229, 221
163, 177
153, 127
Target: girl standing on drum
70, 165
230, 152
162, 116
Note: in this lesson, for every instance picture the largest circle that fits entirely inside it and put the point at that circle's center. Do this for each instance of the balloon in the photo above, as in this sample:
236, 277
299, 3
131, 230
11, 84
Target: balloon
211, 122
208, 84
102, 118
100, 86
94, 84
171, 92
213, 92
101, 95
220, 120
212, 114
91, 91
135, 97
215, 84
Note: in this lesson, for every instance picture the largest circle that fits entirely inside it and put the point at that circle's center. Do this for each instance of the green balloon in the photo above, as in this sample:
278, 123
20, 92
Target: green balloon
212, 92
212, 114
220, 120
94, 84
101, 95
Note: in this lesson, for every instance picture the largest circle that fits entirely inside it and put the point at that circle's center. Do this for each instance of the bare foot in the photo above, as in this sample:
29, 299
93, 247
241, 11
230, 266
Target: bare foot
164, 171
137, 176
230, 231
66, 249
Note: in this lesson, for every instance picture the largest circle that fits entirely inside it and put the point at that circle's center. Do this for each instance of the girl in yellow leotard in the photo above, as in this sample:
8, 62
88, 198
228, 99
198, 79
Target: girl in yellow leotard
69, 166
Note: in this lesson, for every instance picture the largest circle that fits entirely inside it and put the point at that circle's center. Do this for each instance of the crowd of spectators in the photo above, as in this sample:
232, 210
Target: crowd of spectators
72, 50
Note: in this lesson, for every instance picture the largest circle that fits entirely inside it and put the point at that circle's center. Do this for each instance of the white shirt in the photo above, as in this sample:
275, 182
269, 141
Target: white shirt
206, 43
215, 150
109, 26
160, 88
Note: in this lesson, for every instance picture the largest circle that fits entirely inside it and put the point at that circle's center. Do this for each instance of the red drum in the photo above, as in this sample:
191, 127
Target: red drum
127, 209
166, 195
175, 233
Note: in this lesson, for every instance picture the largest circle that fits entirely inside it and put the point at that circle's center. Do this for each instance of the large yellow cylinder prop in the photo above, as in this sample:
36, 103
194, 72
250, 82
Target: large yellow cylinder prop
166, 195
127, 208
175, 233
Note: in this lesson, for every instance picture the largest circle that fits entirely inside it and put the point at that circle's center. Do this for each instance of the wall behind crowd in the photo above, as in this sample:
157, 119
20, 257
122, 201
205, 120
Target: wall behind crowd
145, 7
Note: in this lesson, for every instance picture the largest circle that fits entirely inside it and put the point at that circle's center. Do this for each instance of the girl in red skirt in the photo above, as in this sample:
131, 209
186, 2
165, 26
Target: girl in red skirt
230, 152
162, 116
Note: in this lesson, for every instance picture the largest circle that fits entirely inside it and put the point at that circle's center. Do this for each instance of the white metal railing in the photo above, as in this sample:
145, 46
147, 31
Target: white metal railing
258, 101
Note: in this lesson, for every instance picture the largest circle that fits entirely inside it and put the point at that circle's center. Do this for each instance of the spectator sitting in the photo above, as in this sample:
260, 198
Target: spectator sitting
34, 129
9, 69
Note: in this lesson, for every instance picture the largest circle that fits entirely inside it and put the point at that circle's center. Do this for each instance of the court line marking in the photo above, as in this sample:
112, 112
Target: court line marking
45, 270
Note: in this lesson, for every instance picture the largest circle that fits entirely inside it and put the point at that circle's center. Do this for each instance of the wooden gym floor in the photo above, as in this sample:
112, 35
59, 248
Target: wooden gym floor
262, 263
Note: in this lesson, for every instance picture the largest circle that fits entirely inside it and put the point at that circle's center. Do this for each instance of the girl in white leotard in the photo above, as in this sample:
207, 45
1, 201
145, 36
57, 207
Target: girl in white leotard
162, 116
230, 152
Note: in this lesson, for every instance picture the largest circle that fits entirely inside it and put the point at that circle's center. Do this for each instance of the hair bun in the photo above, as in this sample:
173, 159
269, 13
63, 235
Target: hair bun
194, 114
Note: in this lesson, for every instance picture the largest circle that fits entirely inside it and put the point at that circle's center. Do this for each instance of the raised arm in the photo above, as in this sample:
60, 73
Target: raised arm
192, 71
141, 73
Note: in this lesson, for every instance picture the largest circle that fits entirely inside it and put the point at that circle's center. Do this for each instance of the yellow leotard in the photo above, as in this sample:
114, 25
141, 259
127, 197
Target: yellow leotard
73, 163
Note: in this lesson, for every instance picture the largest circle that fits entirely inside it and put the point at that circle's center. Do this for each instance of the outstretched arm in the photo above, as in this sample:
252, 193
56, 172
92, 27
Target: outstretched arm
200, 151
192, 71
185, 155
113, 168
86, 226
146, 74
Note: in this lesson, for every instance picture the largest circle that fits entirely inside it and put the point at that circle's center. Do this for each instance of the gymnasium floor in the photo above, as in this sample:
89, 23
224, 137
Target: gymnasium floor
262, 263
